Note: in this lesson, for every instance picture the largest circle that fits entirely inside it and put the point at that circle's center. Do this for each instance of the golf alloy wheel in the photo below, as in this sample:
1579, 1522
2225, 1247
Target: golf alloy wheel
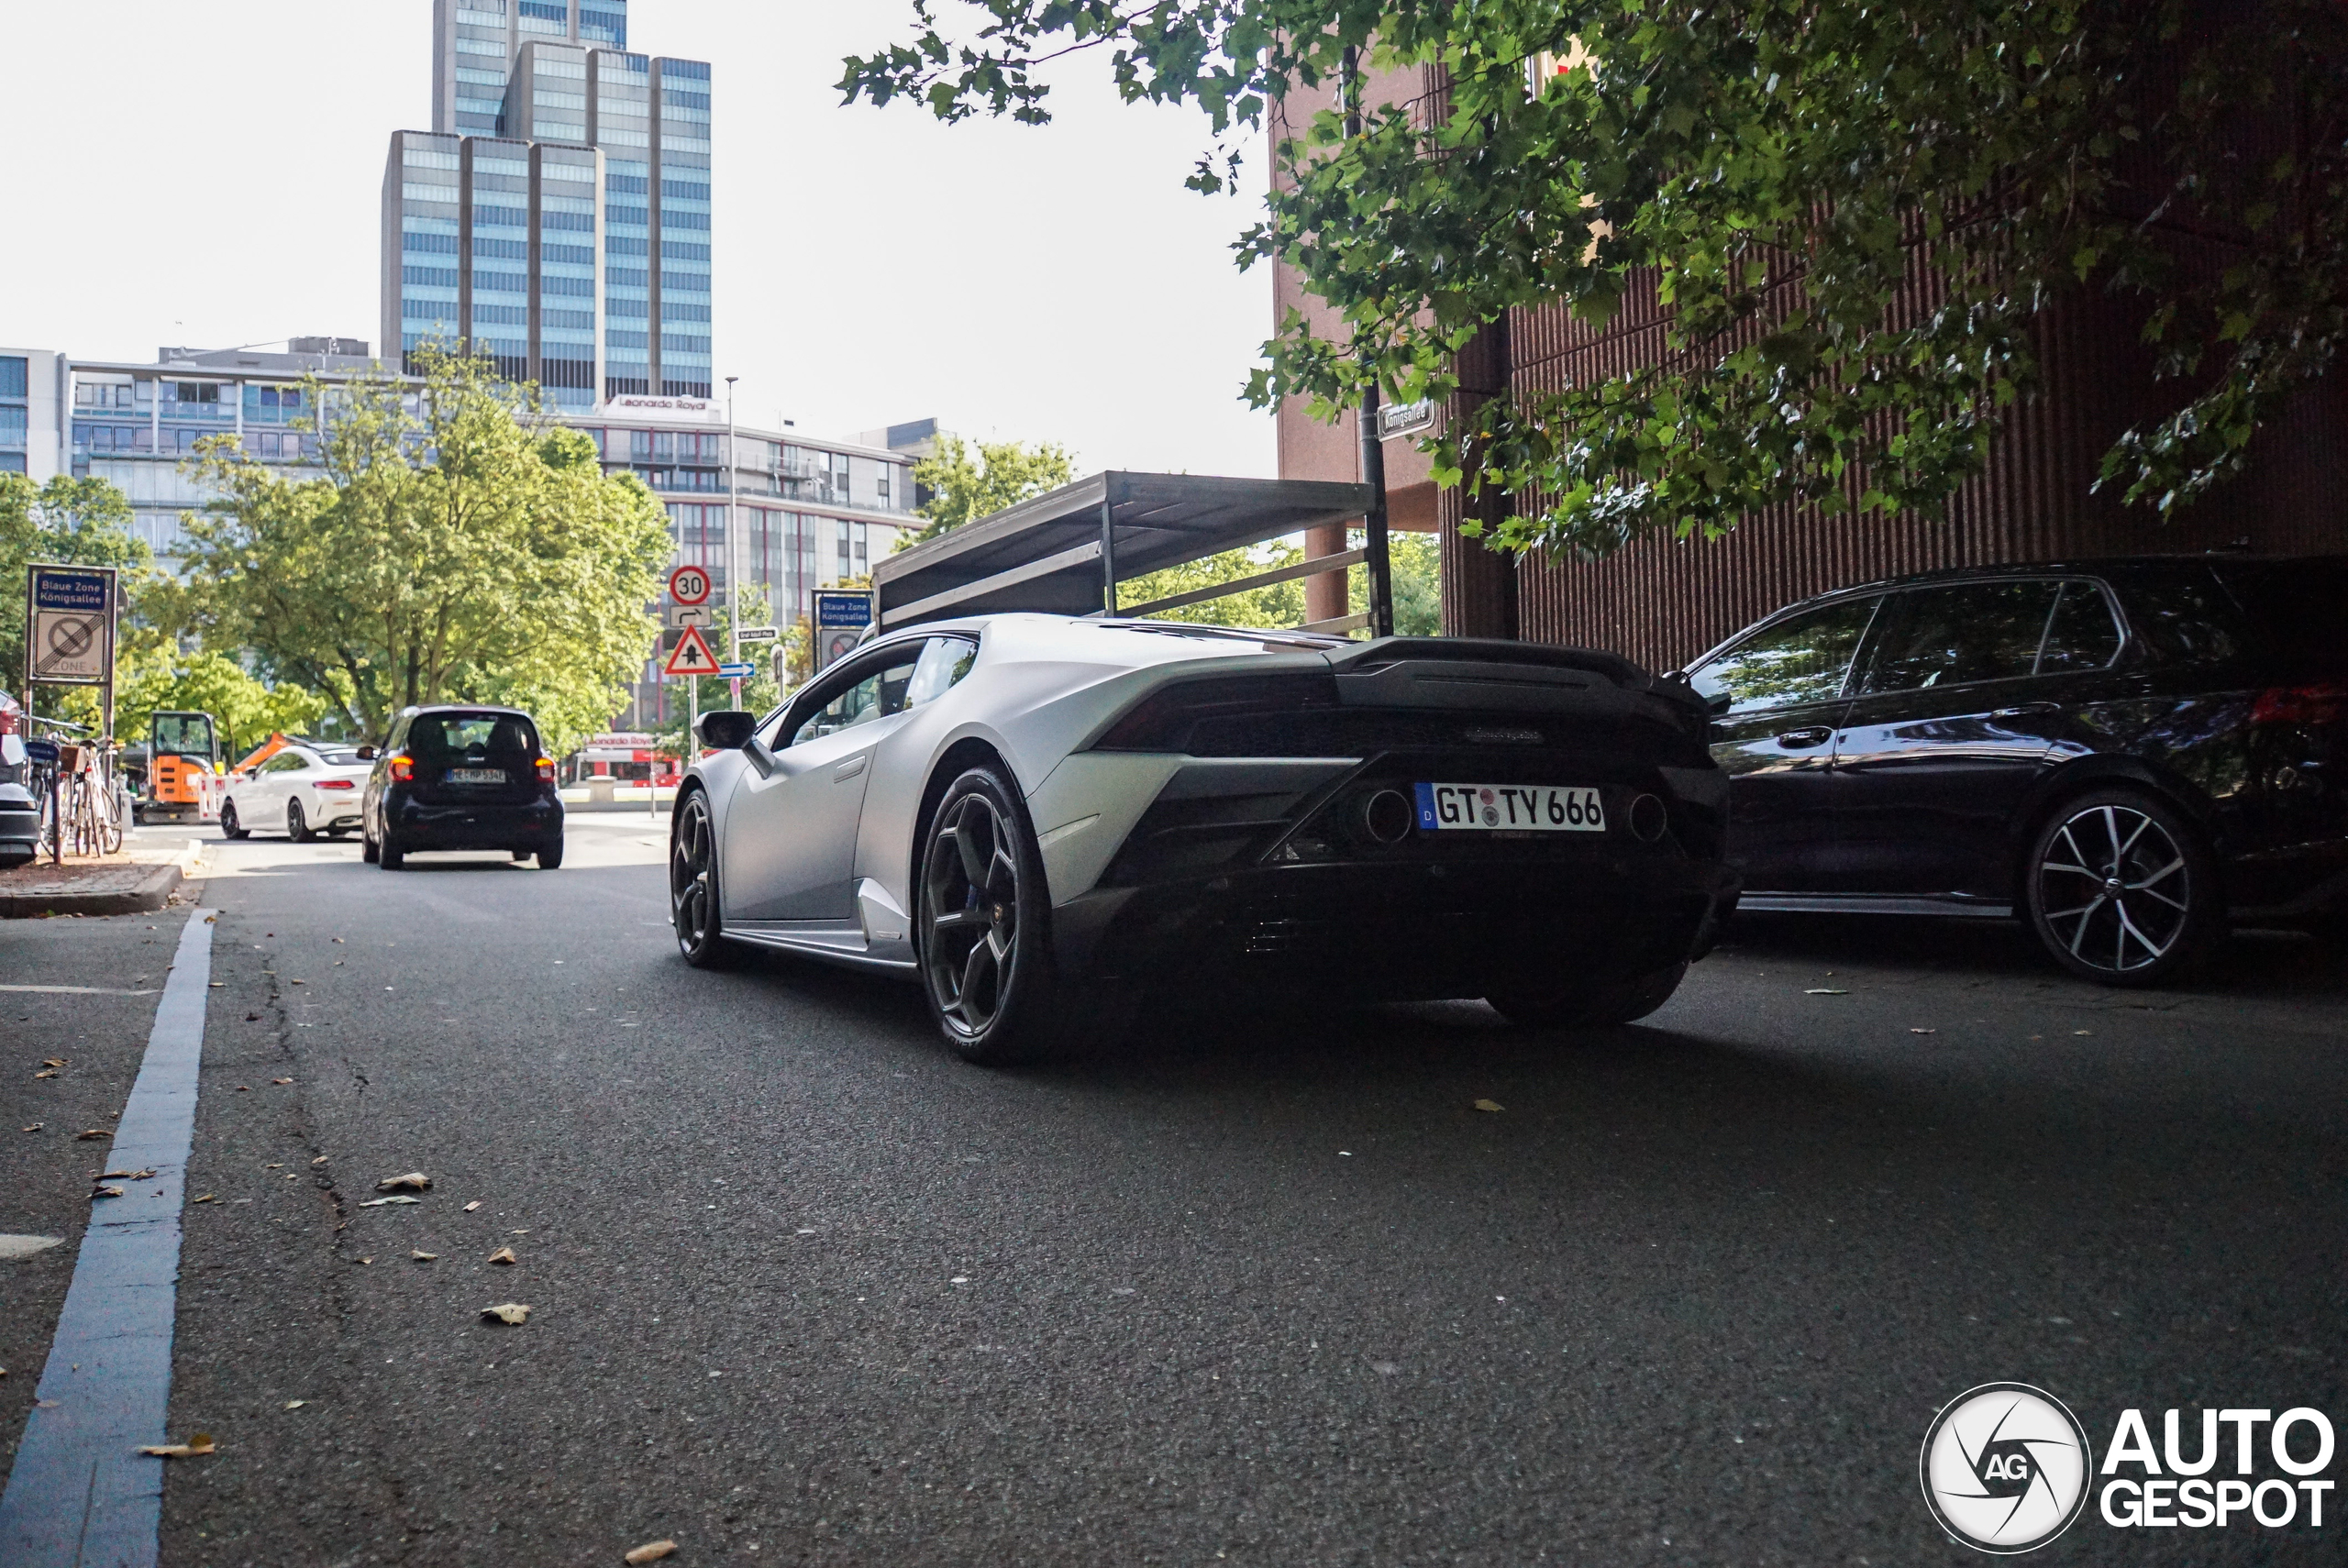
969, 910
2121, 889
692, 884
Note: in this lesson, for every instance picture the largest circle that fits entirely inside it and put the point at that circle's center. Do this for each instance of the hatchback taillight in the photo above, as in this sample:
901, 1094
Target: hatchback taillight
2300, 704
334, 784
403, 768
546, 770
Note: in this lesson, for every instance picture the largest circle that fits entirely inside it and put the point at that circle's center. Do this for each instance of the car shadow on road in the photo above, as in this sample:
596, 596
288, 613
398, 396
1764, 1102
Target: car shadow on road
2253, 963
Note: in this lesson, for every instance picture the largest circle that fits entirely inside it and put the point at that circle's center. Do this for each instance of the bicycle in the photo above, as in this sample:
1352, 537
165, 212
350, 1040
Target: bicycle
80, 797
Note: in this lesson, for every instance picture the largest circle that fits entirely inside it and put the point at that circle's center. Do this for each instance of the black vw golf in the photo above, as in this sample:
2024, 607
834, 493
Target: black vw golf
2128, 754
461, 778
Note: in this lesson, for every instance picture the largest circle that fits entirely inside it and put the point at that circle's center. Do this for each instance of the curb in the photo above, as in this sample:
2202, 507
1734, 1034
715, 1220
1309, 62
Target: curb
153, 891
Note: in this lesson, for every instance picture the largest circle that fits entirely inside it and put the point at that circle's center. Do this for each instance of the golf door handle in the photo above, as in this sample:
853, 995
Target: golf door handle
2027, 711
850, 769
1816, 734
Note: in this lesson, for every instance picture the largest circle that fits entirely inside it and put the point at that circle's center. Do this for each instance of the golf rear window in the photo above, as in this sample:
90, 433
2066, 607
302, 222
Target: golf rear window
2295, 606
495, 736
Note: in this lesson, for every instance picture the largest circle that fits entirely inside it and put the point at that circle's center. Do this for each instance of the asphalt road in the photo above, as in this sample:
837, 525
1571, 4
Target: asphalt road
1244, 1289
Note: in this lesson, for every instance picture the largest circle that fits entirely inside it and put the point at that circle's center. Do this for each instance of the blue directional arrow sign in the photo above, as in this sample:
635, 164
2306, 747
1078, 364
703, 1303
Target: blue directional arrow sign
736, 671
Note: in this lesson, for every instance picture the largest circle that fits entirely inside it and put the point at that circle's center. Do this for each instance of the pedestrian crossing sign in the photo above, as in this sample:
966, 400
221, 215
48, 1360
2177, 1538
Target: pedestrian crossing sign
693, 656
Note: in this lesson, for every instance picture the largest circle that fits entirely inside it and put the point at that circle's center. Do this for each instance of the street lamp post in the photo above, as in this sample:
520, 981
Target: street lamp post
733, 555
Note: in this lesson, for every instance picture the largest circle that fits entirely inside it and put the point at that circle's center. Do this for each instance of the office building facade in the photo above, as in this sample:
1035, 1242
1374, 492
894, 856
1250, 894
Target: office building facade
558, 215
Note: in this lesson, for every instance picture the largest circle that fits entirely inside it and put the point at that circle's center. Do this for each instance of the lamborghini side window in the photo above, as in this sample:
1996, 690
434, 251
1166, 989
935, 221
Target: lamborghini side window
944, 662
879, 692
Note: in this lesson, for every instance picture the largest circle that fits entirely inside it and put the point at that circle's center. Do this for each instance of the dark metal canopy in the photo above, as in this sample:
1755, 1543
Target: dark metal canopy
1066, 551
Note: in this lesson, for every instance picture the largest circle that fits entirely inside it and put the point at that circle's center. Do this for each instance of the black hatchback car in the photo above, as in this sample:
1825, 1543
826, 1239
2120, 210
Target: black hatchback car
2128, 754
461, 778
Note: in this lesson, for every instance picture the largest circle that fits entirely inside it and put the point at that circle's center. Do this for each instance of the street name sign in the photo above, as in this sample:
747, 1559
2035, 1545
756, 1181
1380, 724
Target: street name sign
758, 633
688, 585
693, 656
71, 624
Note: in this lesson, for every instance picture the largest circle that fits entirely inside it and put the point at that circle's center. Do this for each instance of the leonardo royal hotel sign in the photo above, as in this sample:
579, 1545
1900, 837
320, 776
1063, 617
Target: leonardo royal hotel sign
627, 402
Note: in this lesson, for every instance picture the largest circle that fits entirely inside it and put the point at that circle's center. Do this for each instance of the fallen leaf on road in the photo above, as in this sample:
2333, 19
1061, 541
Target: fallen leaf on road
252, 1018
274, 1166
133, 1176
366, 1260
1825, 991
504, 1255
320, 1160
218, 985
52, 1061
1489, 1105
380, 1202
650, 1552
196, 1447
425, 1257
298, 982
416, 1180
2083, 1031
46, 1073
243, 1088
295, 1404
510, 1312
34, 1128
108, 1192
1924, 1032
92, 1133
338, 939
208, 1197
473, 1205
280, 1080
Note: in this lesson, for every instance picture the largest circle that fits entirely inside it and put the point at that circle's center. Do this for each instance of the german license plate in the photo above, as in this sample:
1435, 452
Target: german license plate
1503, 808
476, 775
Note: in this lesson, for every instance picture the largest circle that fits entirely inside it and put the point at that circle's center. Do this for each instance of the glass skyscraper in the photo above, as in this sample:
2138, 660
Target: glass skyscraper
557, 215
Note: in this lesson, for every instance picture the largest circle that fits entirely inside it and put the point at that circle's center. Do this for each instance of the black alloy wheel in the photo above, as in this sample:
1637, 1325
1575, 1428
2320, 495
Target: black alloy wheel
1585, 1003
692, 885
2122, 889
982, 933
229, 826
297, 826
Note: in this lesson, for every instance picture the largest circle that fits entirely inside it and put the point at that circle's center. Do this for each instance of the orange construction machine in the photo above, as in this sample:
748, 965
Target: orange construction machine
184, 781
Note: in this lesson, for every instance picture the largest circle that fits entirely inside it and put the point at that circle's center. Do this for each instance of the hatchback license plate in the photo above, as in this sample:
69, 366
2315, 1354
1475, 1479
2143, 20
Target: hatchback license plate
1522, 808
476, 775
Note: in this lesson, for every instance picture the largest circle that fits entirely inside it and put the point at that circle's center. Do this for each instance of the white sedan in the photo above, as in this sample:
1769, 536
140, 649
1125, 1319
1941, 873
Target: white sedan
1034, 816
303, 789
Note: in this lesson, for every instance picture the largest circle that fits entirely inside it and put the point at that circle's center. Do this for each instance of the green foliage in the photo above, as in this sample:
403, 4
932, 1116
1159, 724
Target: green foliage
456, 548
160, 676
1280, 605
1850, 215
965, 485
1413, 561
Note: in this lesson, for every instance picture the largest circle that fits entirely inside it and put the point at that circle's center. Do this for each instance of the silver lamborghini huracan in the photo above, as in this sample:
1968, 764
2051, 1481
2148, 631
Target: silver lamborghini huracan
1042, 817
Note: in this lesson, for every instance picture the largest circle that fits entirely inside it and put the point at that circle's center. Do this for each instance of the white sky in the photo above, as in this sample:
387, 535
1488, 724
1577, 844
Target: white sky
211, 174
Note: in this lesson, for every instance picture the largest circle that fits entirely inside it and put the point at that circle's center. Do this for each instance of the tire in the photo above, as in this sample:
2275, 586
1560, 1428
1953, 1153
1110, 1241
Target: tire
982, 933
1590, 1005
388, 855
550, 854
523, 854
297, 825
229, 826
2122, 888
368, 851
693, 908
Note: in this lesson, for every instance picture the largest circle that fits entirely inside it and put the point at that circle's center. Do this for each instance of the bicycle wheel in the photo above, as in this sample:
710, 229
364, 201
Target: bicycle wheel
113, 816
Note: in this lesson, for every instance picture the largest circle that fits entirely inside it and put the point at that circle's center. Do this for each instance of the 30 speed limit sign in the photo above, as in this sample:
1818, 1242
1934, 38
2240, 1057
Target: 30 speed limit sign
688, 585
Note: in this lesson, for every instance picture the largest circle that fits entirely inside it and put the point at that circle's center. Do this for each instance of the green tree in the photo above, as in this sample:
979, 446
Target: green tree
1786, 180
75, 522
1413, 562
454, 547
160, 675
1280, 605
966, 482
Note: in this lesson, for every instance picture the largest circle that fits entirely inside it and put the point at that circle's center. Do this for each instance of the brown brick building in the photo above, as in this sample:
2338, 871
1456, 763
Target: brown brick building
1663, 602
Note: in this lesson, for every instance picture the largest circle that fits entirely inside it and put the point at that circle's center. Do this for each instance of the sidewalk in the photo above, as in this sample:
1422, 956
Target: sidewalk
139, 880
